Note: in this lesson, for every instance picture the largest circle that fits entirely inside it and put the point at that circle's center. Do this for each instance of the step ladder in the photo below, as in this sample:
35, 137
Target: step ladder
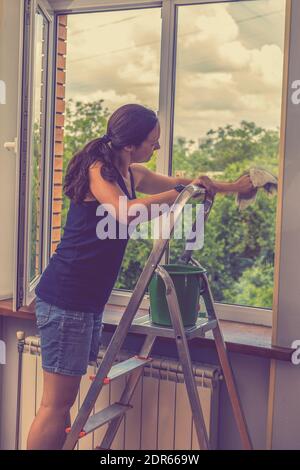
133, 367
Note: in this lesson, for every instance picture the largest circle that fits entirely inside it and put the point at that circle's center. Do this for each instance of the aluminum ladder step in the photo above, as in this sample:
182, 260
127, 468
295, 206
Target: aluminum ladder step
102, 417
125, 367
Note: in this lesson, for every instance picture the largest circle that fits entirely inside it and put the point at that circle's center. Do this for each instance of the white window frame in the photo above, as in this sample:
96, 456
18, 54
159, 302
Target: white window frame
238, 313
23, 288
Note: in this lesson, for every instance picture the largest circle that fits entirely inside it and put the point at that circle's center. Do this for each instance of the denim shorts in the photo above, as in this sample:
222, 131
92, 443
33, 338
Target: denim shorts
69, 339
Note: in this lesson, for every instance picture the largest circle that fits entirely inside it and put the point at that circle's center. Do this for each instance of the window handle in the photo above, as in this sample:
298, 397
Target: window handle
11, 146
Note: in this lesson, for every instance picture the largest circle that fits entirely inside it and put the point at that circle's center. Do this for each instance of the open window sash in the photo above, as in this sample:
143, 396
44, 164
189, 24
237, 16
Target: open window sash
34, 165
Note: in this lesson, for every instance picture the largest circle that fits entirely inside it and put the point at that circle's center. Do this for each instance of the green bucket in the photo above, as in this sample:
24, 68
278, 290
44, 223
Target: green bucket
188, 286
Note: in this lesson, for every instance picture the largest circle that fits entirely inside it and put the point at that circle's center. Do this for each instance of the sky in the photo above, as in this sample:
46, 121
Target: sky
229, 62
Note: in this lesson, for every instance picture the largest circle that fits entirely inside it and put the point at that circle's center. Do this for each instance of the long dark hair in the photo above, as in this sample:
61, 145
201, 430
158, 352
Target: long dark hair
128, 125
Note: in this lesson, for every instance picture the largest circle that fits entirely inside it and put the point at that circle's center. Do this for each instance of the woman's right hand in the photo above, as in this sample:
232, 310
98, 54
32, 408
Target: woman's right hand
207, 183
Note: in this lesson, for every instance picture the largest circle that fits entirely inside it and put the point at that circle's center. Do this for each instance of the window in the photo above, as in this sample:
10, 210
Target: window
229, 70
35, 143
213, 70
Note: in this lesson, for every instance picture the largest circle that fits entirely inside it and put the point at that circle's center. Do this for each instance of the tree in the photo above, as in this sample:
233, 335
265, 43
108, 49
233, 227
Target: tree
235, 242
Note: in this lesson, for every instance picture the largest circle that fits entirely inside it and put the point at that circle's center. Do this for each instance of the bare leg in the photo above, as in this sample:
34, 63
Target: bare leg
48, 428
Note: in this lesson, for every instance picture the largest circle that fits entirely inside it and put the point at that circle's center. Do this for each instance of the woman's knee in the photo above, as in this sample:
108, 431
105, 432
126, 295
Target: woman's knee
60, 391
57, 412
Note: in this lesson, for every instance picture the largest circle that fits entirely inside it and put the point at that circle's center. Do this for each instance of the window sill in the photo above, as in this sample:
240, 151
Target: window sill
241, 338
26, 313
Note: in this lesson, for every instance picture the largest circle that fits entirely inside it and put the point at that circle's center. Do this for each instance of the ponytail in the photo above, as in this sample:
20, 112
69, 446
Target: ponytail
76, 183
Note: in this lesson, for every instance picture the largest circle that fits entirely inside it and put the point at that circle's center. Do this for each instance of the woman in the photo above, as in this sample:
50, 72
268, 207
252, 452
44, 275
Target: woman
80, 276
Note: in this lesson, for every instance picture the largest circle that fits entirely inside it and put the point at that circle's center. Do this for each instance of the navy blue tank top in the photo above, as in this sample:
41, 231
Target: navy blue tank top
82, 271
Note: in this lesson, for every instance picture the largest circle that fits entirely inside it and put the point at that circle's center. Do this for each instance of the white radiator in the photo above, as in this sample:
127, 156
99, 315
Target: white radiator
161, 416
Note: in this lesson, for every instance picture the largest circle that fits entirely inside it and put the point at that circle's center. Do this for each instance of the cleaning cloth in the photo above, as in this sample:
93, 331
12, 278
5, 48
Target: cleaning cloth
261, 179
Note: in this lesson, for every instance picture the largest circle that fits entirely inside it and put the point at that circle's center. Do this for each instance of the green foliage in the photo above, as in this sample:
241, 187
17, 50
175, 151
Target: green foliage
235, 242
247, 144
255, 287
35, 200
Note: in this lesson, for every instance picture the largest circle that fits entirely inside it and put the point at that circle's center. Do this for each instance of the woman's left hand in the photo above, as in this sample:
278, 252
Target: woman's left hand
243, 185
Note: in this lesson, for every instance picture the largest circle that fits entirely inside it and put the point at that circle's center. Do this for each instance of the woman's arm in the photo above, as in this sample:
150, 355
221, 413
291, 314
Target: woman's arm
243, 185
107, 192
149, 182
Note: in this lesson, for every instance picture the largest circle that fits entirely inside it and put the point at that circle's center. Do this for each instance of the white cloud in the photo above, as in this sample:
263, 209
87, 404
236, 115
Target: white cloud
267, 64
235, 54
215, 24
110, 97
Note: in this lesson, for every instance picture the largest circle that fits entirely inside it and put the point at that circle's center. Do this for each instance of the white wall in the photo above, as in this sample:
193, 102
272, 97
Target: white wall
284, 413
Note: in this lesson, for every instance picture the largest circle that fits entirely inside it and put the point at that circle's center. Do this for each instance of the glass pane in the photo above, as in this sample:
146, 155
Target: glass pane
227, 119
37, 143
113, 58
